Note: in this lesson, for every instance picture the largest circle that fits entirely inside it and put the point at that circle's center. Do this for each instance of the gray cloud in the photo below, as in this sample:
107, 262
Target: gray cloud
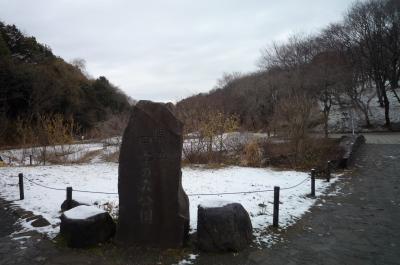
166, 50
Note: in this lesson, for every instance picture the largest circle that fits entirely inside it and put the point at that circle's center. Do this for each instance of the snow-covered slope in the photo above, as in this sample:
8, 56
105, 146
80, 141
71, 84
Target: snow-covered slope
340, 119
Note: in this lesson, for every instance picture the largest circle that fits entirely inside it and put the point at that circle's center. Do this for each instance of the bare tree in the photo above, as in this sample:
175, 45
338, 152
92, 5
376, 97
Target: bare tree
80, 64
293, 116
391, 26
366, 28
298, 50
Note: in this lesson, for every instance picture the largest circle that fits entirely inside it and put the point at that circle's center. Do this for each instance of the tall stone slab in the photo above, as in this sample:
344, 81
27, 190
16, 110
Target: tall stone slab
153, 207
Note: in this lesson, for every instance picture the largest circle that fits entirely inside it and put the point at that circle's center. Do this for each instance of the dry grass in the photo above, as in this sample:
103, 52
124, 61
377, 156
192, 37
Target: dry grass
252, 154
87, 157
60, 158
314, 153
213, 159
111, 157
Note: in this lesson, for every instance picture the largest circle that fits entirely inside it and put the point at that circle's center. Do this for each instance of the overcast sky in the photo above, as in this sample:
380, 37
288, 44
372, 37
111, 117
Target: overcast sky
166, 50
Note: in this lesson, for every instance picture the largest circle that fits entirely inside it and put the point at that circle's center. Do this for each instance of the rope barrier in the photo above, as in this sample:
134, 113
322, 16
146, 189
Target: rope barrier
97, 192
292, 187
227, 193
41, 185
190, 194
83, 191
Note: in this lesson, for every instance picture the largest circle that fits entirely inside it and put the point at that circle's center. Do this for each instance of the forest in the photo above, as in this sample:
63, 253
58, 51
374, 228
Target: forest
39, 90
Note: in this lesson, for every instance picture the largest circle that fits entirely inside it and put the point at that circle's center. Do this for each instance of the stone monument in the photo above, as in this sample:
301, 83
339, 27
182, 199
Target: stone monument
153, 207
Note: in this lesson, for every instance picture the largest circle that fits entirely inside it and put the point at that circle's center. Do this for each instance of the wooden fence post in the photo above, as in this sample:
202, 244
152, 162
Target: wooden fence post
21, 186
328, 177
30, 160
69, 194
313, 182
275, 222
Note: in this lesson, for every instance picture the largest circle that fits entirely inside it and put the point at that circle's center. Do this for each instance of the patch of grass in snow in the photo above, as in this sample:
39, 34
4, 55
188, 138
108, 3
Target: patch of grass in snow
111, 157
87, 157
60, 241
112, 208
263, 209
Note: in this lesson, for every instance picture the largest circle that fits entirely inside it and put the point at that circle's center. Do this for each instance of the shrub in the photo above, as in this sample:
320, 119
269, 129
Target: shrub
252, 154
315, 153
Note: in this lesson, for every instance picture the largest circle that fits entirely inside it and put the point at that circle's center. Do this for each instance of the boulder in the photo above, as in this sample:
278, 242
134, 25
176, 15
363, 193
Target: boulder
85, 226
349, 145
153, 207
223, 226
69, 204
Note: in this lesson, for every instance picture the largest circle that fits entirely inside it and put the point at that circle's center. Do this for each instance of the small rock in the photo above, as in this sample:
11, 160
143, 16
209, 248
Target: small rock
40, 222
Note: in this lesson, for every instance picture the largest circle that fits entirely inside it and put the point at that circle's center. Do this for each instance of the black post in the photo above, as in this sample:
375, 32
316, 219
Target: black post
313, 182
275, 222
69, 194
21, 186
328, 172
30, 160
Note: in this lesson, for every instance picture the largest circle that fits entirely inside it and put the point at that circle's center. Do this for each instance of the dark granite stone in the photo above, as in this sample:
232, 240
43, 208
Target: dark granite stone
69, 204
40, 221
81, 233
226, 228
153, 207
349, 145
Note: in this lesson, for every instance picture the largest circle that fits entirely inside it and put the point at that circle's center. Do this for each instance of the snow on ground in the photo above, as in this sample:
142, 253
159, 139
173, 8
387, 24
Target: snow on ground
340, 118
104, 177
189, 260
67, 153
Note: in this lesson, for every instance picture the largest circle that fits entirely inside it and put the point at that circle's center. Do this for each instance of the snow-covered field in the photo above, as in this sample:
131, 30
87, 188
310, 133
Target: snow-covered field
67, 153
104, 177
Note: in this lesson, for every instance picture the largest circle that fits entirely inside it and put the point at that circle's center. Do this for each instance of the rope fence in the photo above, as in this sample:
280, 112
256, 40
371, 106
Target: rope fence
276, 190
190, 194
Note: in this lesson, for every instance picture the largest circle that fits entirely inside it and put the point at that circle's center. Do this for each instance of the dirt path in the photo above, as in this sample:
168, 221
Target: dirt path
360, 225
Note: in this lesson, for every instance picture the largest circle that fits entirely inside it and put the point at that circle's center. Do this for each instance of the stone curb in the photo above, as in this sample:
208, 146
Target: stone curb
350, 145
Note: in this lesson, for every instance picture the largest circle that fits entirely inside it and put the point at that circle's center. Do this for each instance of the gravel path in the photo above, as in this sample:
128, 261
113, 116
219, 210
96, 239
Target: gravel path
361, 226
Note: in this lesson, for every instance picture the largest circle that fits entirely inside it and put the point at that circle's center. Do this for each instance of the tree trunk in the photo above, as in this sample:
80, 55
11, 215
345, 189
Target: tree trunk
364, 109
379, 94
326, 118
367, 121
395, 94
386, 102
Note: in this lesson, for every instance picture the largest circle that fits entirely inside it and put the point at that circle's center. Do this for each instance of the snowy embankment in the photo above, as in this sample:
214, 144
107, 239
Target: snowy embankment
196, 180
340, 118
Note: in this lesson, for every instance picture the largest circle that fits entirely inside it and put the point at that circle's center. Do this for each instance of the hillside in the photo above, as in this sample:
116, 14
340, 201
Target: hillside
253, 98
247, 96
35, 83
308, 81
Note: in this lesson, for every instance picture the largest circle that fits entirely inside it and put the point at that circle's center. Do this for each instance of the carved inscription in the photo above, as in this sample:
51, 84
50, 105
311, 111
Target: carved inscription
145, 192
